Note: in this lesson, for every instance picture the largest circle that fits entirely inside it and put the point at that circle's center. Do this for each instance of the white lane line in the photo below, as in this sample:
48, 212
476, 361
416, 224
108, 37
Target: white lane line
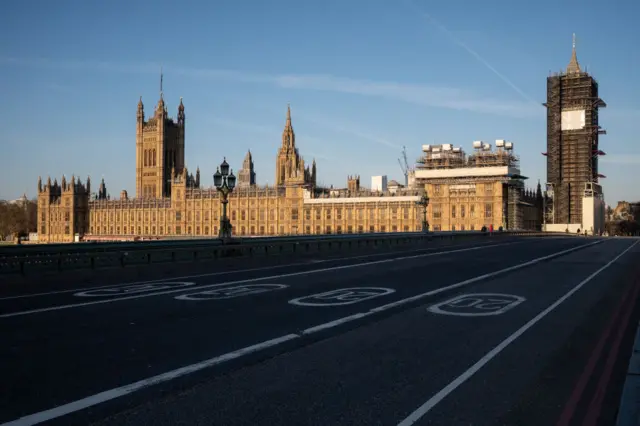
444, 392
334, 323
265, 268
250, 280
108, 395
124, 390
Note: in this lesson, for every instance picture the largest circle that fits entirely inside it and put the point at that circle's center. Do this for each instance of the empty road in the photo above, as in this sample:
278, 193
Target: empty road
495, 331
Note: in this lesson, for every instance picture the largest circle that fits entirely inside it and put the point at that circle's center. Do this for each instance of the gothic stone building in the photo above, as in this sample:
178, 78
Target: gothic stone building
171, 203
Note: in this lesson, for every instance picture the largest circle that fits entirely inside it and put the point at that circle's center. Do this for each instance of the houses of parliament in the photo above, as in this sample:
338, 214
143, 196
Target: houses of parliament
171, 202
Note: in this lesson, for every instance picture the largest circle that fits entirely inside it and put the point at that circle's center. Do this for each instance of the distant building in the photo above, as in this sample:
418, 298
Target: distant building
394, 186
483, 189
22, 201
379, 183
576, 198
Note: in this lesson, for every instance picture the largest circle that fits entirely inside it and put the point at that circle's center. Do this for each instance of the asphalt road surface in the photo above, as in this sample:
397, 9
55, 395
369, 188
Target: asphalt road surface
513, 331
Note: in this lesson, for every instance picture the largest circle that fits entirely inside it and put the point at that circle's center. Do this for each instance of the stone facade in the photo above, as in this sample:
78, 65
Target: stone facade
180, 207
484, 189
467, 193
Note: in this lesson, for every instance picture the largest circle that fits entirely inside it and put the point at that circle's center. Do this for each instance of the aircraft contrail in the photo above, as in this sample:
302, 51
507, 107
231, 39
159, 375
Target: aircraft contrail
473, 53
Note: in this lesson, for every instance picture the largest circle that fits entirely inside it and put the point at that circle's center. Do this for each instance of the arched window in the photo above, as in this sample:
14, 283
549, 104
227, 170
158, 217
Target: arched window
154, 157
145, 158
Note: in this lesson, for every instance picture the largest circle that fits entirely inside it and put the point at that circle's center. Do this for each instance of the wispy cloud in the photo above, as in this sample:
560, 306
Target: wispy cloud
271, 131
621, 159
423, 95
348, 129
473, 53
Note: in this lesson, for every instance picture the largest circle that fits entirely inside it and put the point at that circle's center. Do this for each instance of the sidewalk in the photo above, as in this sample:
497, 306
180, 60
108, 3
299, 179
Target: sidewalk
629, 411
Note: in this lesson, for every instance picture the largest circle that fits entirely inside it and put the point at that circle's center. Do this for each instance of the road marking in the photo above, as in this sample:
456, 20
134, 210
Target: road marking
341, 297
444, 392
477, 304
266, 268
132, 289
231, 292
127, 389
108, 395
250, 280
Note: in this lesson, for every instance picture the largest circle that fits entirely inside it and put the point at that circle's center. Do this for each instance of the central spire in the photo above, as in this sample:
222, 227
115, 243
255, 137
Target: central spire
574, 66
161, 78
288, 136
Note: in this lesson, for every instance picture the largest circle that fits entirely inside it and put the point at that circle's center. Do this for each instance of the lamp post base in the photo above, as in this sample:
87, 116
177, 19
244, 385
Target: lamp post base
225, 229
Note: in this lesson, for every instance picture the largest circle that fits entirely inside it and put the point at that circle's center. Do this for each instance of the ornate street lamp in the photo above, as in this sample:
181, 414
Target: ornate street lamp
424, 202
224, 181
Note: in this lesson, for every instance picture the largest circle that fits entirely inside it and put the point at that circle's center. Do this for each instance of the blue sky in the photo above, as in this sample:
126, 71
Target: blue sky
363, 78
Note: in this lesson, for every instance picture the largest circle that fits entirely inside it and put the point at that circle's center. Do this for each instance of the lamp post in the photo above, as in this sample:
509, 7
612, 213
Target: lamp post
225, 182
424, 202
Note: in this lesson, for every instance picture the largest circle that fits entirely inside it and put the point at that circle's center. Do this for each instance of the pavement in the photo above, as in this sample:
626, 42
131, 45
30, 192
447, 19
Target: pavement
503, 331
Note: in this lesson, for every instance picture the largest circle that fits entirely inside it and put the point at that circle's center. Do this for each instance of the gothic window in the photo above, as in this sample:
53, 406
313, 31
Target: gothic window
154, 157
178, 230
437, 211
488, 210
253, 215
406, 213
206, 230
243, 215
294, 214
453, 212
472, 210
463, 212
339, 214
